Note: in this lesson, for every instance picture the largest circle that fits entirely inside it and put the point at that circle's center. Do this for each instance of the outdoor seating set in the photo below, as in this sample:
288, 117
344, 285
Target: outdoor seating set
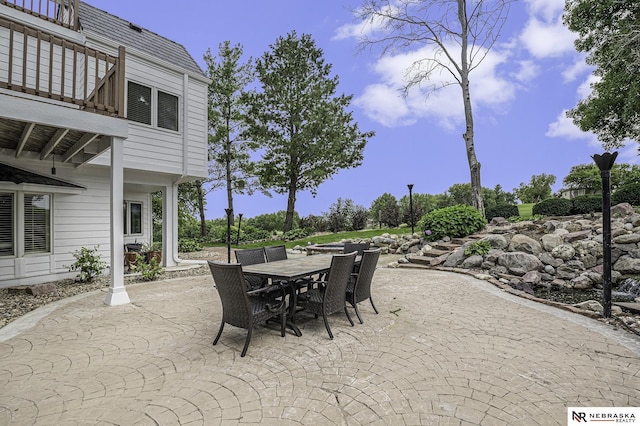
265, 285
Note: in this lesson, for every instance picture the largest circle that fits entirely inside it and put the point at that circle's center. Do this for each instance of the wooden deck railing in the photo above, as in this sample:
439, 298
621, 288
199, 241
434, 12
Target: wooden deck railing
45, 65
61, 12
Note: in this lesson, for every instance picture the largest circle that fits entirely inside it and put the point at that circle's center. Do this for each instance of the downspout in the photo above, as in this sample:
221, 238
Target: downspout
185, 151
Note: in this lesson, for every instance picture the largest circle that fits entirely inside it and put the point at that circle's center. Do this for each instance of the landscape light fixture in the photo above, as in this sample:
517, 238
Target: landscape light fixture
605, 163
229, 212
239, 223
410, 186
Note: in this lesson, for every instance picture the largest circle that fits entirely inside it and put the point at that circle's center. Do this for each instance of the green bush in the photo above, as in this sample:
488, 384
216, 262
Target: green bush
553, 207
148, 270
295, 234
187, 245
586, 204
629, 193
481, 247
454, 221
88, 263
502, 210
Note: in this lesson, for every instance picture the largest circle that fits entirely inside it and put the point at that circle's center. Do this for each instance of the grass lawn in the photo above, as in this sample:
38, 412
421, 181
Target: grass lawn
525, 210
322, 238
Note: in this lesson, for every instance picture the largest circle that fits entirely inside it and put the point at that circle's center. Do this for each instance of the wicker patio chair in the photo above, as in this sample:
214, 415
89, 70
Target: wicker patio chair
252, 257
242, 308
358, 248
273, 253
330, 295
359, 290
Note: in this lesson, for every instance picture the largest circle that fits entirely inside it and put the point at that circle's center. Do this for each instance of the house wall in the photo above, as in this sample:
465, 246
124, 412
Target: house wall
182, 153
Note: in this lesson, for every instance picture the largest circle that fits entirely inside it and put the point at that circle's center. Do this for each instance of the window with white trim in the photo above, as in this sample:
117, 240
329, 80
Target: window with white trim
7, 223
37, 223
132, 218
151, 106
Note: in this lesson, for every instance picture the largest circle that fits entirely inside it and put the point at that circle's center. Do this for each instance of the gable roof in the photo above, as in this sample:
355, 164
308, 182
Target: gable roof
130, 35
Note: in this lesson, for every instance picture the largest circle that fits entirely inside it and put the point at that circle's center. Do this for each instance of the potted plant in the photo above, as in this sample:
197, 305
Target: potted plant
153, 251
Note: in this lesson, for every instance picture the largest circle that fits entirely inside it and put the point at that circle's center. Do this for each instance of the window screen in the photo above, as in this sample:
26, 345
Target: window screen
139, 103
167, 111
6, 224
37, 223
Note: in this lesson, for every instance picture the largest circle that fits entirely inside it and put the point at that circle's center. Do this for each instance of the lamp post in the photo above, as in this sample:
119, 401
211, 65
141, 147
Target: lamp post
410, 186
605, 163
229, 213
239, 223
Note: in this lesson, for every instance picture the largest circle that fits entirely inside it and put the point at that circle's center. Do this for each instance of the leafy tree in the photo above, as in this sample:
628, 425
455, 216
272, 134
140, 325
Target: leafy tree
305, 129
608, 30
346, 215
422, 204
460, 31
230, 154
385, 210
460, 193
587, 176
538, 189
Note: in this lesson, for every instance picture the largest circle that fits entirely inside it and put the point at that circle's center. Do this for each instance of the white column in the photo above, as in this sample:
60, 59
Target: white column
117, 292
170, 225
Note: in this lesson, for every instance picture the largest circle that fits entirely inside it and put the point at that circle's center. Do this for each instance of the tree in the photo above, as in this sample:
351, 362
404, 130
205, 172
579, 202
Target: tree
385, 210
587, 177
228, 151
304, 128
462, 34
608, 30
538, 189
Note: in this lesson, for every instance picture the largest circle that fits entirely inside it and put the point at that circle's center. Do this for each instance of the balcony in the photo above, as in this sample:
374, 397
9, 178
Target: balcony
39, 63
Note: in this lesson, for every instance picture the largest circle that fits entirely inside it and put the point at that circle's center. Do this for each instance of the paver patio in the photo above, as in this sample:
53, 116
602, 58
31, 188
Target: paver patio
445, 349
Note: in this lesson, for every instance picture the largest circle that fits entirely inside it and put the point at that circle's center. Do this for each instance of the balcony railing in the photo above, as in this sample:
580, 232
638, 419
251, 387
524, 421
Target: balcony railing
49, 66
61, 12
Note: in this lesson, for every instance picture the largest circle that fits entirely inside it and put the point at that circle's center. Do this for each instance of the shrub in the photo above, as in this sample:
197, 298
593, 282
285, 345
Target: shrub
88, 263
295, 234
187, 245
629, 193
148, 270
454, 221
553, 207
586, 204
502, 210
481, 247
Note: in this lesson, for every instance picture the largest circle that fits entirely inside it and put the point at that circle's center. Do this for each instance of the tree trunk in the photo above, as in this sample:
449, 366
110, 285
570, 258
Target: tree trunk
203, 224
291, 208
474, 165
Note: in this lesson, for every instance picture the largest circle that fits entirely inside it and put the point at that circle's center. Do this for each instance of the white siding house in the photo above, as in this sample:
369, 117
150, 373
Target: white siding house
96, 114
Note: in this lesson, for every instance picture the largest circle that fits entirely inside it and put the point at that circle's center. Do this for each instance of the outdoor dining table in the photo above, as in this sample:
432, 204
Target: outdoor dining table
290, 270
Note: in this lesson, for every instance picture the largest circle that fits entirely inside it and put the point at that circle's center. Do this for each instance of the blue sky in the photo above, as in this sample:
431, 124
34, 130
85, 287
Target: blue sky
519, 94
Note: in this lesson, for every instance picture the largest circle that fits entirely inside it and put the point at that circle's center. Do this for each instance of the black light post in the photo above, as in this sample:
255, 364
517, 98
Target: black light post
605, 163
410, 186
229, 213
239, 223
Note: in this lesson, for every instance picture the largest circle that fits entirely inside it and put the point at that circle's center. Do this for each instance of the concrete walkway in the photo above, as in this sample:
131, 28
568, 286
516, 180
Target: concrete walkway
445, 349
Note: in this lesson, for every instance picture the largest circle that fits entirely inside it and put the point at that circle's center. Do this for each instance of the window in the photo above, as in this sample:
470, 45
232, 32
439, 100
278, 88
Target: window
37, 223
143, 108
6, 224
132, 218
139, 103
167, 111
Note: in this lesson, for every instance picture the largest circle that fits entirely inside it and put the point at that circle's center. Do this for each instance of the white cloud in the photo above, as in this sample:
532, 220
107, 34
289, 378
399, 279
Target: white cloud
547, 9
544, 39
384, 104
564, 128
580, 67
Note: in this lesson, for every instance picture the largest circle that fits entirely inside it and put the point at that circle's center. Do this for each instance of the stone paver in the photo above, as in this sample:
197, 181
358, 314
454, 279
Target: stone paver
445, 349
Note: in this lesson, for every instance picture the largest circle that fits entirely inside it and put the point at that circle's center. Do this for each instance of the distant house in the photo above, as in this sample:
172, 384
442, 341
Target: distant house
571, 193
96, 114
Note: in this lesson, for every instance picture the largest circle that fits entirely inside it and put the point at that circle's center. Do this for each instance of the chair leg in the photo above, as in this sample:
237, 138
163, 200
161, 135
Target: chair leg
246, 343
349, 316
283, 320
326, 324
355, 306
219, 333
374, 306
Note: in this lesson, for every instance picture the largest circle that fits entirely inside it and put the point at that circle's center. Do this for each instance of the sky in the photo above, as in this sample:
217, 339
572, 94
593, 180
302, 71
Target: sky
520, 94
